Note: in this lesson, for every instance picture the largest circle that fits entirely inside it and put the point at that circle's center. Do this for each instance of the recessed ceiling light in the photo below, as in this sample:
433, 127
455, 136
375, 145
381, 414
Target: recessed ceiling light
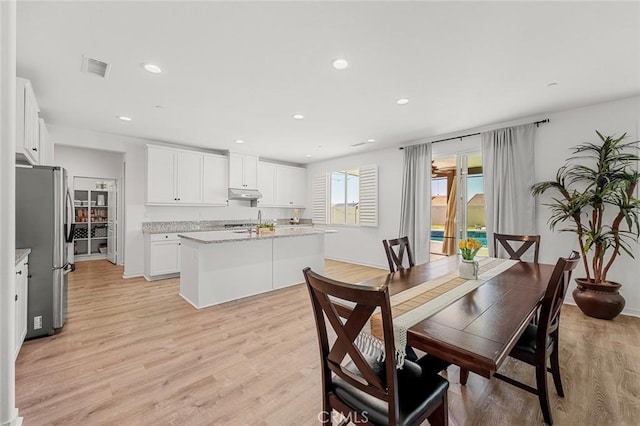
371, 140
239, 141
340, 64
402, 101
308, 155
319, 146
124, 118
153, 69
552, 84
298, 116
158, 107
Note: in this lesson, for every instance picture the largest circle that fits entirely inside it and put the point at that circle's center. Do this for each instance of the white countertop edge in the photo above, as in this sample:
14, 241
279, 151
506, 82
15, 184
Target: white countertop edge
217, 237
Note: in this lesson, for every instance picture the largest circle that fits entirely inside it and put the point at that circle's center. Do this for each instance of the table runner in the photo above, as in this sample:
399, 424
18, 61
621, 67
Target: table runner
411, 306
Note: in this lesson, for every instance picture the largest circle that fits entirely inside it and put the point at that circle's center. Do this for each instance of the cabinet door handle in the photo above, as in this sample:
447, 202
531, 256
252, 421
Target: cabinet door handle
16, 297
35, 149
19, 273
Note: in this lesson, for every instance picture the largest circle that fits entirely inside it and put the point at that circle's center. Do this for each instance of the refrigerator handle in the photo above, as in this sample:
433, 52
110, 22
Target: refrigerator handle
70, 213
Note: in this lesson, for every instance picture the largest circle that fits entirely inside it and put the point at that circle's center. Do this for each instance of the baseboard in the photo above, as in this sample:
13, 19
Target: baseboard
135, 275
626, 311
386, 268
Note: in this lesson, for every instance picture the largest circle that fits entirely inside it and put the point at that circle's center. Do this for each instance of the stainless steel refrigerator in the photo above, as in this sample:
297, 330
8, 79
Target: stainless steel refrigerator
44, 223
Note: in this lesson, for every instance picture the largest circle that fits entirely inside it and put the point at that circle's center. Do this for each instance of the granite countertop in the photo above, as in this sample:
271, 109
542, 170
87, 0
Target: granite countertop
21, 254
206, 225
230, 236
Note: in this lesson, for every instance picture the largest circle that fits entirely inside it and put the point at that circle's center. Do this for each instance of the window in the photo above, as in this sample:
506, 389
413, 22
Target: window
345, 197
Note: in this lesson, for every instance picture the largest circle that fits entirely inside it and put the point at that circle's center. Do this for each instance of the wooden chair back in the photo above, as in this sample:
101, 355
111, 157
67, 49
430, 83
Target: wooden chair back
324, 293
549, 318
395, 250
515, 252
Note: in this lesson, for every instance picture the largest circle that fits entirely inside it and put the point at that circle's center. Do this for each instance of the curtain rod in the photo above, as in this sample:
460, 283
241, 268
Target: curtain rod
537, 123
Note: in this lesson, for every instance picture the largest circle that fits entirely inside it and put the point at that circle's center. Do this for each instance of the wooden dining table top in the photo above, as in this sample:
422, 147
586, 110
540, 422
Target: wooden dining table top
478, 330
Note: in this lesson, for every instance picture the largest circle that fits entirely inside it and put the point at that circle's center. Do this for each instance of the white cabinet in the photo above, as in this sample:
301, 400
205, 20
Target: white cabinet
161, 175
46, 146
189, 177
299, 186
22, 291
27, 123
267, 184
173, 176
281, 186
215, 178
243, 171
177, 176
162, 256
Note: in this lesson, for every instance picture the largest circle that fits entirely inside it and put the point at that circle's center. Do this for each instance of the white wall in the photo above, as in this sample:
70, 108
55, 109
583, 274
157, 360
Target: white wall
552, 143
136, 211
364, 245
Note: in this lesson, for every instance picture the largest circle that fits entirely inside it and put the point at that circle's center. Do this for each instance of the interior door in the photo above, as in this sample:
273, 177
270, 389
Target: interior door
112, 243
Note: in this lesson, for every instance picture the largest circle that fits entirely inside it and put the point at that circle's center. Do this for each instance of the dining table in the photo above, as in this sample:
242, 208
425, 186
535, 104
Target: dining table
477, 330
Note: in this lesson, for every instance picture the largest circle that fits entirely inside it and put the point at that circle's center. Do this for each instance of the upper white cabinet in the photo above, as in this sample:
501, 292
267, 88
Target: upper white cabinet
189, 177
215, 180
299, 186
281, 186
46, 146
176, 176
243, 171
27, 123
267, 183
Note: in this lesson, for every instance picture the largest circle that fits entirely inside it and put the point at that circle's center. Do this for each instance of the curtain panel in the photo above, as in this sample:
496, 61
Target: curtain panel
508, 168
415, 213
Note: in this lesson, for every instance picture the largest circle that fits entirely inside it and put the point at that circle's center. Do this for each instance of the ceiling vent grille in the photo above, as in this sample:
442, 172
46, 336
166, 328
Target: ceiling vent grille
94, 66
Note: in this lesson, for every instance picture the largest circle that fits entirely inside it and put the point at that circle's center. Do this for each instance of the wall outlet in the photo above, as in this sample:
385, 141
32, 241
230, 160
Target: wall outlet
37, 322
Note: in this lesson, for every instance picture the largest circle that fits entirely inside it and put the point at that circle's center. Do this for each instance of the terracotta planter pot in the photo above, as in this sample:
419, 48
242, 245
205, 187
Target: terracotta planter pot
598, 300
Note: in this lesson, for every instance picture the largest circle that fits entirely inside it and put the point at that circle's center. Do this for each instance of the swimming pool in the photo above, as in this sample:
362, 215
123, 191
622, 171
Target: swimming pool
438, 235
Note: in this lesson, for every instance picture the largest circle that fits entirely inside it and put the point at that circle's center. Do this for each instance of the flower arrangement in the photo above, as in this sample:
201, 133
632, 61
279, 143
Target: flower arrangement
469, 248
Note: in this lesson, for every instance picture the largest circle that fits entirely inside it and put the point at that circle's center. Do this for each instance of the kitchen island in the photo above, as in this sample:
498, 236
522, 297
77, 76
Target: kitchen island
220, 266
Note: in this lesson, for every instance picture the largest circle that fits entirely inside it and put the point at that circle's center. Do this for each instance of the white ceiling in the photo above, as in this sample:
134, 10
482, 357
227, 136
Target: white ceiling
240, 70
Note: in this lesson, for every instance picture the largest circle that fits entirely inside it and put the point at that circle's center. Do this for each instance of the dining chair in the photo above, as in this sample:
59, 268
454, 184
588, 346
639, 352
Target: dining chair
514, 251
395, 250
540, 342
360, 387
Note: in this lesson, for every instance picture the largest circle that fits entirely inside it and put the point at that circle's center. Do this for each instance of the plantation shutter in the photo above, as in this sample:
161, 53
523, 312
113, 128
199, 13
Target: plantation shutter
369, 196
319, 199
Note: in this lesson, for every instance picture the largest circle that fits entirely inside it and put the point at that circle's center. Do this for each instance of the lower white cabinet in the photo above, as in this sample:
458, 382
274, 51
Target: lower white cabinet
162, 256
22, 292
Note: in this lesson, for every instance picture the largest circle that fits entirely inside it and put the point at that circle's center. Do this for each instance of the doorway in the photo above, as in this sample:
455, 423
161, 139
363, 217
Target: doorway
95, 219
457, 203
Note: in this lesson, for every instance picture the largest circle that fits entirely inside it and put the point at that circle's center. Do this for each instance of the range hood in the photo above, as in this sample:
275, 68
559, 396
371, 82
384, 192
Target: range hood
244, 194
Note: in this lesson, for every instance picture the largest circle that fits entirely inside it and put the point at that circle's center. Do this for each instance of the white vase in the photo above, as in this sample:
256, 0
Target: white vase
469, 269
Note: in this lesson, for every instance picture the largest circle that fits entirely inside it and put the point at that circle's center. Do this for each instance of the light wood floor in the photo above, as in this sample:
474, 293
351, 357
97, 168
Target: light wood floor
135, 353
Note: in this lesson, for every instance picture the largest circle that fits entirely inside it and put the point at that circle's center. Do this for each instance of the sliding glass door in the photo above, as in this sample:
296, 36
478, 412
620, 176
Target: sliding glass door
457, 203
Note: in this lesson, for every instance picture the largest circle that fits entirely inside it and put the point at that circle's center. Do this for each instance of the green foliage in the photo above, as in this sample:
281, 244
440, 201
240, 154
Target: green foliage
597, 178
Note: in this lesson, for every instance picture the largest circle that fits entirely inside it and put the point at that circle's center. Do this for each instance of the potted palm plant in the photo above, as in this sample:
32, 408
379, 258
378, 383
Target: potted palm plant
596, 187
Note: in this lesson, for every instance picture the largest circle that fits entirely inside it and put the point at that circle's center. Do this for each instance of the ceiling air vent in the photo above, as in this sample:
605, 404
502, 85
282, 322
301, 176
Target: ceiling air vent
94, 66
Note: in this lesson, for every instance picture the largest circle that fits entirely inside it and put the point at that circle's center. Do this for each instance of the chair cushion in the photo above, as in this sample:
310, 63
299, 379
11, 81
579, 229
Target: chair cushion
527, 342
432, 364
418, 393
